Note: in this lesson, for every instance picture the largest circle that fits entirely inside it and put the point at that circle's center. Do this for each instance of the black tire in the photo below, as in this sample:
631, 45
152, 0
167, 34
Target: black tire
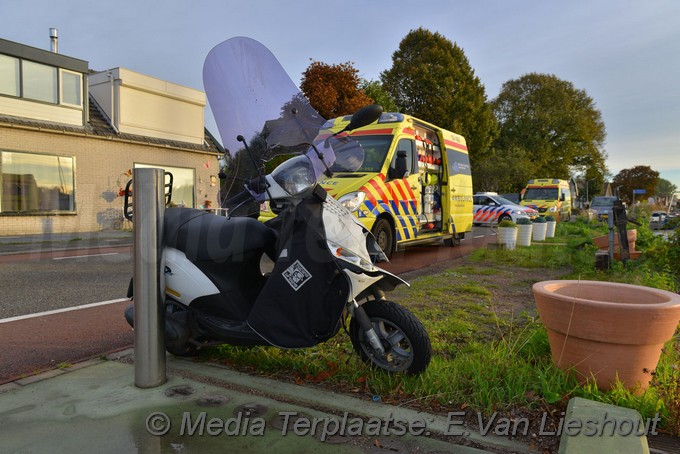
453, 241
177, 333
187, 350
406, 343
505, 217
382, 231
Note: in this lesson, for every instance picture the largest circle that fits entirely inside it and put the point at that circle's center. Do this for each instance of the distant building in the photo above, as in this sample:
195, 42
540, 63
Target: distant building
70, 137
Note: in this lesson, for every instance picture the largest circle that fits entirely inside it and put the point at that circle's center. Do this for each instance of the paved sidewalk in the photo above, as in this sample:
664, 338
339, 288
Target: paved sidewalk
95, 407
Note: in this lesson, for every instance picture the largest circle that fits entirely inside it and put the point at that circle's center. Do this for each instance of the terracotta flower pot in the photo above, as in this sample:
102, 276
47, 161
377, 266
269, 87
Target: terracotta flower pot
602, 242
602, 330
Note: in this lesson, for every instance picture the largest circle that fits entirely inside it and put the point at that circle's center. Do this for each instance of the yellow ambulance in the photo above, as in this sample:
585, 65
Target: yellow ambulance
550, 196
415, 185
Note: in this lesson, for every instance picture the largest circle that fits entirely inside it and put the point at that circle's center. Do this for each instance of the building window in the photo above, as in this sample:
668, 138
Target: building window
39, 82
9, 76
182, 184
35, 183
71, 88
31, 80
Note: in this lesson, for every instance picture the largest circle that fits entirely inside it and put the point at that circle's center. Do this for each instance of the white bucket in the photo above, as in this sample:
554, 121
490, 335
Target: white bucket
507, 237
524, 234
539, 230
550, 231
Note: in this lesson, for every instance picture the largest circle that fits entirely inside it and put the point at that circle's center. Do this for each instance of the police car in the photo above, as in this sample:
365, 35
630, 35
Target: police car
489, 208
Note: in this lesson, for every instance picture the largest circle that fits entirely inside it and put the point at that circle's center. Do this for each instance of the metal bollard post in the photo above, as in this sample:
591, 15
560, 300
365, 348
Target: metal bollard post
148, 210
610, 222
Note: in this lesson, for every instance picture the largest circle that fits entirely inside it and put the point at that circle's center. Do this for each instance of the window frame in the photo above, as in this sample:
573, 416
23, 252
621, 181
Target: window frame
58, 83
54, 88
72, 210
17, 76
61, 78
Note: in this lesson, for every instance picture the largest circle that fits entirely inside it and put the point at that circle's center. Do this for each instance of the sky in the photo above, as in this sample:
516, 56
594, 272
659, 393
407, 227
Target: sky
624, 54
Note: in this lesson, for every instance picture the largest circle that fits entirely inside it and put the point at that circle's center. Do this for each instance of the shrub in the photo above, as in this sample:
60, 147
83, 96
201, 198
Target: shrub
507, 223
539, 220
550, 218
523, 221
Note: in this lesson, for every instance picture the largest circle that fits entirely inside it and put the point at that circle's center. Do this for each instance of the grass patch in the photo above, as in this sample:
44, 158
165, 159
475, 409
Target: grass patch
490, 352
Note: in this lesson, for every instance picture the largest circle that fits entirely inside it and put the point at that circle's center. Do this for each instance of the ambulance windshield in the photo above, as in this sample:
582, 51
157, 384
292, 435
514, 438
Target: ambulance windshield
541, 194
375, 149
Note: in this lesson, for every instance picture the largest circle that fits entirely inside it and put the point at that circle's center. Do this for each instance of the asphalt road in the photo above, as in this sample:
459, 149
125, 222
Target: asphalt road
84, 291
38, 282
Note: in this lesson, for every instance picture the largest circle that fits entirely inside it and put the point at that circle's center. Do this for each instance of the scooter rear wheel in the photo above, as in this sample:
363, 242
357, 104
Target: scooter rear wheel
406, 343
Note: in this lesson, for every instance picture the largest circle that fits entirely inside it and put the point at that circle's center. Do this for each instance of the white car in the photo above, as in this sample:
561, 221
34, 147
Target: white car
489, 208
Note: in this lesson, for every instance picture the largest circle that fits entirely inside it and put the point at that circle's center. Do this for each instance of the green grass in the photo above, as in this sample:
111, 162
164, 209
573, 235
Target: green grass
485, 357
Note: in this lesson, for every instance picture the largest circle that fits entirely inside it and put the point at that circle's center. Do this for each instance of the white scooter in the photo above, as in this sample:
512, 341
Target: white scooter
323, 264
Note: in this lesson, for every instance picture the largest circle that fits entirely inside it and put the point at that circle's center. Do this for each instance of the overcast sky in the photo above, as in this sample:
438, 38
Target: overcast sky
625, 54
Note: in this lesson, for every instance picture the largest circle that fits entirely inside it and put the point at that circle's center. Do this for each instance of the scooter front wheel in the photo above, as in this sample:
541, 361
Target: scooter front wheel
404, 339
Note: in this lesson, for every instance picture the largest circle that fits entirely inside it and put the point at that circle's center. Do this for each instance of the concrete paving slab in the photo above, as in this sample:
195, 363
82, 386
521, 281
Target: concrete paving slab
446, 426
591, 426
98, 409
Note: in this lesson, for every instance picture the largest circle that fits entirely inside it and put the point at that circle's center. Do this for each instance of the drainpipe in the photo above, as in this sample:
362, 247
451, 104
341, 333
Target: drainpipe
113, 103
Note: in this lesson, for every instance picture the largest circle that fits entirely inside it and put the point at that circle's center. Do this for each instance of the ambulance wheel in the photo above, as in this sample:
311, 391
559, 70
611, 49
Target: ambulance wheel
404, 339
453, 241
382, 231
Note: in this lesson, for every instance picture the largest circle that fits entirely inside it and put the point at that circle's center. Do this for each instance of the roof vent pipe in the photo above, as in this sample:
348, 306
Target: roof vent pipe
54, 47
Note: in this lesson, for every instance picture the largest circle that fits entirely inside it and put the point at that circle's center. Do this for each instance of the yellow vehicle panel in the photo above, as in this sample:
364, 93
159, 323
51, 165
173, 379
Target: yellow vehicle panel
433, 199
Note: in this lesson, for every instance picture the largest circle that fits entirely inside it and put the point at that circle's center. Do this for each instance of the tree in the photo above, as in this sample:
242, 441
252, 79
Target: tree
555, 122
638, 177
375, 90
431, 79
333, 90
665, 188
504, 172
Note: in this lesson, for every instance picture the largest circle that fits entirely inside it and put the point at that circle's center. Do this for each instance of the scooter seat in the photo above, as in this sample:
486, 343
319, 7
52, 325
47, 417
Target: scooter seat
204, 236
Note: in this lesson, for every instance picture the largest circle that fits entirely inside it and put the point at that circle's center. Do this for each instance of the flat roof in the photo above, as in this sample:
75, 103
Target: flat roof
43, 56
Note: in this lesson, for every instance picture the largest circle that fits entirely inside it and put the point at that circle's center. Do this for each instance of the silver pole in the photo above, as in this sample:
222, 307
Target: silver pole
148, 207
610, 219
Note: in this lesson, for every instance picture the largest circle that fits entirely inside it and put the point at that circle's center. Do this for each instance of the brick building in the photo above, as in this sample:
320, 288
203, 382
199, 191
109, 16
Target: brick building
70, 136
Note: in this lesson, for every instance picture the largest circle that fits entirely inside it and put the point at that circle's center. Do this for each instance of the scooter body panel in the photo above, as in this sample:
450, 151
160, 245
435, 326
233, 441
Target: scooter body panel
184, 282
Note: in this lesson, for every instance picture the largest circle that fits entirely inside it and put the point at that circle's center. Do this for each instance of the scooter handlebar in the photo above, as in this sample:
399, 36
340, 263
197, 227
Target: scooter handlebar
238, 199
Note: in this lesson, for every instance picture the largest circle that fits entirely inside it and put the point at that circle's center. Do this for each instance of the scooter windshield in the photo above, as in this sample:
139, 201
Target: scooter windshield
301, 173
253, 100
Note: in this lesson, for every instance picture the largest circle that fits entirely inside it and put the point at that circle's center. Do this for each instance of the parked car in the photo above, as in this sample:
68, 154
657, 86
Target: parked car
601, 206
658, 220
489, 207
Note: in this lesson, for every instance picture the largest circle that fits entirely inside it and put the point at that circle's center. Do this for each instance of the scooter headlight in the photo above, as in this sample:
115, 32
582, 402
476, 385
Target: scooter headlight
353, 200
295, 175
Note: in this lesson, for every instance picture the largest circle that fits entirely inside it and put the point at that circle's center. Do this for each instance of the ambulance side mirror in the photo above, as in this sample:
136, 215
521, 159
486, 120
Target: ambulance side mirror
563, 198
400, 167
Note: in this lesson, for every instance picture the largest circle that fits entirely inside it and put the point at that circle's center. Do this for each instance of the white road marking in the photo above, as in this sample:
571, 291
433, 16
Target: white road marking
79, 256
59, 311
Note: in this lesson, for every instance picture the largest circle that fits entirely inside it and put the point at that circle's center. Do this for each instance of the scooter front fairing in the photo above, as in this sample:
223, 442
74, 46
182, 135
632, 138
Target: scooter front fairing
302, 302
